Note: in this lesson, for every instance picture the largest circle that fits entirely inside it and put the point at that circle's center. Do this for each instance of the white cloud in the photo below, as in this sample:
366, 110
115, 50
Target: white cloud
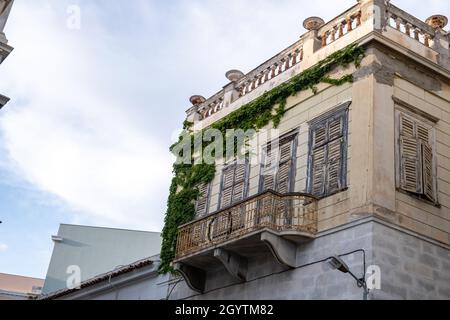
3, 247
72, 137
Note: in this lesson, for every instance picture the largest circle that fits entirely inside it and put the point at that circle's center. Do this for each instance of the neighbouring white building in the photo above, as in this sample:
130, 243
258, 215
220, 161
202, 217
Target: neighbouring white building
83, 254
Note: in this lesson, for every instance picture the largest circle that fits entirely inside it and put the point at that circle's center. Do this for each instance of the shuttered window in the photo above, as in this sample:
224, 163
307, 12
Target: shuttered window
327, 164
201, 205
416, 157
278, 168
234, 184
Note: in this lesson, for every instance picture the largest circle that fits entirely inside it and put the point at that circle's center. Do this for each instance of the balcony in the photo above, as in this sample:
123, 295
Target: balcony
268, 222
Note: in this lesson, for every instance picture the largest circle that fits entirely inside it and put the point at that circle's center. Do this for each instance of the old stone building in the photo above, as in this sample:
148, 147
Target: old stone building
5, 49
362, 171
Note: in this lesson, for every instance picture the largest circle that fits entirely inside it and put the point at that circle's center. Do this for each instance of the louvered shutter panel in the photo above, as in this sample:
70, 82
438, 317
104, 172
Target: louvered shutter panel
410, 156
318, 164
318, 159
411, 179
428, 179
283, 177
202, 201
269, 170
227, 187
336, 128
319, 136
286, 148
423, 133
239, 184
407, 127
285, 167
334, 174
238, 216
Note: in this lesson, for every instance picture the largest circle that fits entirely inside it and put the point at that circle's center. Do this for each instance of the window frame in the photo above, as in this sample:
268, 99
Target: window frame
293, 170
342, 110
417, 116
245, 162
208, 199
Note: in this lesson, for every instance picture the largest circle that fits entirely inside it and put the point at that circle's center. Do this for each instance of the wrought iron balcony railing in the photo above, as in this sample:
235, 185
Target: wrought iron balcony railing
290, 213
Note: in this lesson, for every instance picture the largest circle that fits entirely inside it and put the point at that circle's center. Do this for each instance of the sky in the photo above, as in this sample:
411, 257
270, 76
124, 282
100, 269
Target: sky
94, 106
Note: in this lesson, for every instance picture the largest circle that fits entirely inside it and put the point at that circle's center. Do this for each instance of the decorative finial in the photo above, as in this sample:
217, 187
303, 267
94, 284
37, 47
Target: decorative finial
234, 75
313, 23
197, 100
437, 21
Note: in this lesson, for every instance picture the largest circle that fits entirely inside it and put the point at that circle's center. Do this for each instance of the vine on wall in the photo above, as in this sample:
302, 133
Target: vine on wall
269, 107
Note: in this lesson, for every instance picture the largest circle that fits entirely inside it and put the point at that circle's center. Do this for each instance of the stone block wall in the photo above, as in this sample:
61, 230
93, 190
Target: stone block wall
411, 268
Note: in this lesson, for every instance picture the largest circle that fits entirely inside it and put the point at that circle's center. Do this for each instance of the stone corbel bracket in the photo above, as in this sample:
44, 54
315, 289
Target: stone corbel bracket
284, 251
195, 278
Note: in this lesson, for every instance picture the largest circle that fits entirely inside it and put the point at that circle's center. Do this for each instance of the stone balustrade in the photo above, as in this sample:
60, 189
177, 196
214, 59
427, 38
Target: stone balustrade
279, 64
412, 27
212, 105
321, 40
340, 27
271, 69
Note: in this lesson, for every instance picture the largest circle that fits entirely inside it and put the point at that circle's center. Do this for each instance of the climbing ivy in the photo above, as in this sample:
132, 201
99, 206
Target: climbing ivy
269, 107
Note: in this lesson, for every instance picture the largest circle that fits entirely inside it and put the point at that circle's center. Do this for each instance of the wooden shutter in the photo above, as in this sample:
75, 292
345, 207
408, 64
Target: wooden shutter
416, 157
239, 183
318, 164
334, 174
286, 149
423, 134
407, 127
284, 175
227, 187
202, 201
334, 166
269, 169
410, 156
319, 136
234, 182
411, 177
336, 128
277, 170
327, 173
428, 177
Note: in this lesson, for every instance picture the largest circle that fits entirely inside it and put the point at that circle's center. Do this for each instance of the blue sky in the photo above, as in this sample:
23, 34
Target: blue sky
85, 137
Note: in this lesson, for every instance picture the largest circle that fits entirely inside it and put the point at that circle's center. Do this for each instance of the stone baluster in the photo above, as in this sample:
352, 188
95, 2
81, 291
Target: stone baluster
274, 70
427, 39
417, 34
288, 61
267, 74
280, 68
398, 23
333, 34
408, 27
260, 80
253, 87
294, 57
324, 39
349, 24
358, 18
341, 29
